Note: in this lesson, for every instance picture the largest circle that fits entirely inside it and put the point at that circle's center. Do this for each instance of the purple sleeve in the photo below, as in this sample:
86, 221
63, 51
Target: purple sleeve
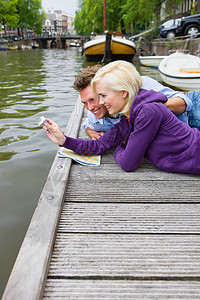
146, 126
110, 139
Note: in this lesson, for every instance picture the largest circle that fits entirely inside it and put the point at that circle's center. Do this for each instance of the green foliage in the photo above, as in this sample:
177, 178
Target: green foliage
194, 8
169, 47
30, 14
114, 15
171, 6
89, 17
133, 16
22, 13
140, 14
8, 12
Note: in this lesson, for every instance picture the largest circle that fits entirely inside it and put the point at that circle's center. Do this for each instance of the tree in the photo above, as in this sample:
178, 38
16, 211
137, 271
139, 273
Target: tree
22, 13
30, 15
89, 17
139, 14
114, 15
127, 16
8, 13
171, 6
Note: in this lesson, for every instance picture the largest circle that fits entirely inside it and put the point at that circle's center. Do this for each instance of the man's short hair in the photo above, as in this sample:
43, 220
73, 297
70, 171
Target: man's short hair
83, 79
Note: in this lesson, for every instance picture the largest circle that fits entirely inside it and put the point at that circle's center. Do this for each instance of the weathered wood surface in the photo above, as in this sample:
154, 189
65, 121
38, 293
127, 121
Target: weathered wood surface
127, 235
128, 256
147, 184
28, 276
129, 218
121, 289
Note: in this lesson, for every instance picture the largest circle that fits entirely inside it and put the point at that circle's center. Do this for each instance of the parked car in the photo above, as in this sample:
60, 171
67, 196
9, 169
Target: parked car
168, 29
185, 26
189, 26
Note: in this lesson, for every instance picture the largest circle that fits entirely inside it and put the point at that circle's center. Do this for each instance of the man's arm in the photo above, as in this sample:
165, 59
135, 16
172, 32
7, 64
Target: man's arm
149, 83
177, 105
94, 135
96, 128
90, 124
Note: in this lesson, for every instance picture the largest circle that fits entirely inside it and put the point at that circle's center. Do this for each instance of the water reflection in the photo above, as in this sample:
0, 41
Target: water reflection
151, 72
33, 83
7, 155
21, 94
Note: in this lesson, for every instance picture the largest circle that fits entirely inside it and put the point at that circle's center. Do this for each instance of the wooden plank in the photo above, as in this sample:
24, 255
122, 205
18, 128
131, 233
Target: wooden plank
112, 171
82, 190
130, 218
120, 289
30, 270
127, 256
146, 184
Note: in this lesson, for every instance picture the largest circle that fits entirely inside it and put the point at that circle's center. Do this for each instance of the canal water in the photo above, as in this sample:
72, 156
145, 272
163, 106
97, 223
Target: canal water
32, 83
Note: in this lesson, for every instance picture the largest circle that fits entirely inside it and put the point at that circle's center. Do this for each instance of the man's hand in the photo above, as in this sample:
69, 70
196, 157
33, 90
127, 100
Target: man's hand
177, 105
54, 133
94, 135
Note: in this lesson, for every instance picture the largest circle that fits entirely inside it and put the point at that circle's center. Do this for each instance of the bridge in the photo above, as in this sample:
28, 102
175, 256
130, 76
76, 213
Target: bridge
62, 42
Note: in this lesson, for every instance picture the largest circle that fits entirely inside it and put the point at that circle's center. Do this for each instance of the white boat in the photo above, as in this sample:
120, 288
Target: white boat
25, 47
74, 44
121, 48
151, 60
181, 71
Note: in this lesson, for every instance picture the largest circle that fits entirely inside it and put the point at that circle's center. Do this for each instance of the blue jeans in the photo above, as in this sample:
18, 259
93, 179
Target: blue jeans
194, 113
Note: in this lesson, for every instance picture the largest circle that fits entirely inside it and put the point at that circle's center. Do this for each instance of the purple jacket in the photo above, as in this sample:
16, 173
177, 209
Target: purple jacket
153, 132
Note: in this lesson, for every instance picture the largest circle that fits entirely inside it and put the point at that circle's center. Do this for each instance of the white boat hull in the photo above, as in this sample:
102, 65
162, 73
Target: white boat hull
185, 84
151, 61
181, 71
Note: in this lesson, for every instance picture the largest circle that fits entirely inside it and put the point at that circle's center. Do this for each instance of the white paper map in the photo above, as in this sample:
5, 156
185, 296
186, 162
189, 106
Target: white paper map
93, 160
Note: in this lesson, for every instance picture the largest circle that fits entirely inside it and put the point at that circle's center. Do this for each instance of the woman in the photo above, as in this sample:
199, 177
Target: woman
147, 128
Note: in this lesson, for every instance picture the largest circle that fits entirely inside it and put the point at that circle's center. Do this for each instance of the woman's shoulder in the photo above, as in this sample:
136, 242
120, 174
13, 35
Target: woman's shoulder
147, 97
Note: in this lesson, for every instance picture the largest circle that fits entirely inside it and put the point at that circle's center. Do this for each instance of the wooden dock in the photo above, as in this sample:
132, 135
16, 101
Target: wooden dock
102, 233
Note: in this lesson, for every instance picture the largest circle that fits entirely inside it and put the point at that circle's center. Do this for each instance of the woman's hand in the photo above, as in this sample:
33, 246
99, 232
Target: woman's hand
53, 132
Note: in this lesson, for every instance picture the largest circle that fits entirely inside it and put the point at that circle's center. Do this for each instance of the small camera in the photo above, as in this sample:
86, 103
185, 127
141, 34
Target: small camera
42, 121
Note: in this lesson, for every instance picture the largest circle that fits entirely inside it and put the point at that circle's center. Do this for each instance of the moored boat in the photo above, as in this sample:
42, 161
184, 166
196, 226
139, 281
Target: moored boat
151, 60
25, 47
181, 71
35, 45
12, 47
74, 44
121, 47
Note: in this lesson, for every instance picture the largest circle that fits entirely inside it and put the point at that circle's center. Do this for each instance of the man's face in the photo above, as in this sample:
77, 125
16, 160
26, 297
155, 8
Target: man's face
92, 104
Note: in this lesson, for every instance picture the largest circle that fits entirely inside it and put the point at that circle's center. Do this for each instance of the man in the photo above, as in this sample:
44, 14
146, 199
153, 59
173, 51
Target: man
99, 121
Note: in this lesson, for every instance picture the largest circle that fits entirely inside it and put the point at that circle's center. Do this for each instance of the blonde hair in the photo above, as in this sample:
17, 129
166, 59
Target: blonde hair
119, 76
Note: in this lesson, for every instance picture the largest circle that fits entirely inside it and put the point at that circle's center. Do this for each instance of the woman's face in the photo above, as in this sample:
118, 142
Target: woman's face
113, 101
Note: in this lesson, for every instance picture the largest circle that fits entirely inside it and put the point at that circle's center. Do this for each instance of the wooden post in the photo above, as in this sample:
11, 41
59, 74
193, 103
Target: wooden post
108, 48
104, 15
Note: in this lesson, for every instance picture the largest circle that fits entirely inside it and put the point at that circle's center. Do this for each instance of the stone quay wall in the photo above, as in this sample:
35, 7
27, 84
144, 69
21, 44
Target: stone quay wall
191, 46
